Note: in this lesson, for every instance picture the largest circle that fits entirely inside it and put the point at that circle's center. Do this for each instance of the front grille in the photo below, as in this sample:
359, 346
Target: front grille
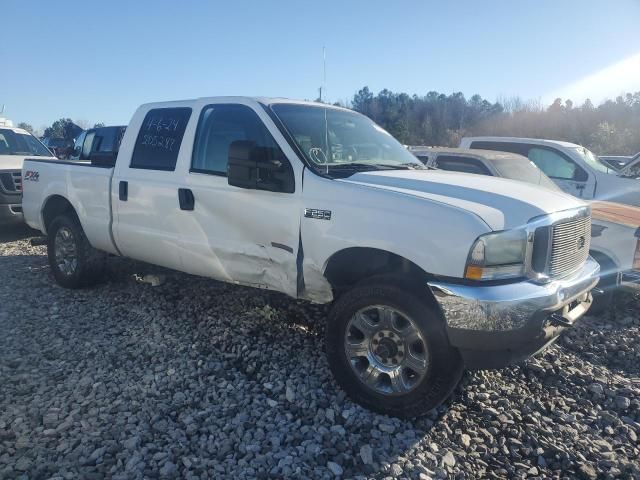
17, 181
570, 241
11, 182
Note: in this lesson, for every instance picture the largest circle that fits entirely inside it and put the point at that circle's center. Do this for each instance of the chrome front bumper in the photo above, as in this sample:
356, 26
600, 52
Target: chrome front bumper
515, 319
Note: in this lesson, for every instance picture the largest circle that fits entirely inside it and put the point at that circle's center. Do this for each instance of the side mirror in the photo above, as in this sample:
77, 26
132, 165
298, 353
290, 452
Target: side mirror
259, 168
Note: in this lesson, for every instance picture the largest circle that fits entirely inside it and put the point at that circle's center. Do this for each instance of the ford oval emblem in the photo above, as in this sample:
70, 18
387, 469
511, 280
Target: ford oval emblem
582, 241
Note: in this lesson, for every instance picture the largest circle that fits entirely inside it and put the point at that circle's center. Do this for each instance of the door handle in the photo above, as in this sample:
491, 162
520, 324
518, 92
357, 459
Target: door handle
123, 190
186, 198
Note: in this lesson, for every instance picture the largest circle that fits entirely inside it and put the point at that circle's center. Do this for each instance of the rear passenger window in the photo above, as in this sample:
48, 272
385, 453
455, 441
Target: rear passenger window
220, 126
159, 139
461, 164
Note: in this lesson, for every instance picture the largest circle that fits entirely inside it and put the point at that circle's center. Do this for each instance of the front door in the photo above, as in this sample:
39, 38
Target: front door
233, 234
566, 173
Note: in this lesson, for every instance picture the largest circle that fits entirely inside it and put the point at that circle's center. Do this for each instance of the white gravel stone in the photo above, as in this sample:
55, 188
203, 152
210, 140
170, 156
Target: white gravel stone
335, 468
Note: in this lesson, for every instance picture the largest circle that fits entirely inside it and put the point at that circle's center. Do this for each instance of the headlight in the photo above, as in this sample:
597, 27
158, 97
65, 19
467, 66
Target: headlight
497, 256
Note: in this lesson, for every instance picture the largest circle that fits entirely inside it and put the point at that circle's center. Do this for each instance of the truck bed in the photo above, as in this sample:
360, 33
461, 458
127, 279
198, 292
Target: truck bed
87, 187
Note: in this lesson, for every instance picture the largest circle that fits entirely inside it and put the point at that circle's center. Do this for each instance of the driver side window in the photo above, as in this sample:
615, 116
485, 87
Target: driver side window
219, 126
553, 164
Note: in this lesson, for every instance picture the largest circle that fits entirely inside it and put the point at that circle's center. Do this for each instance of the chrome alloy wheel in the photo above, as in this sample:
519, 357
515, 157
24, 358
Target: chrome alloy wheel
65, 251
386, 350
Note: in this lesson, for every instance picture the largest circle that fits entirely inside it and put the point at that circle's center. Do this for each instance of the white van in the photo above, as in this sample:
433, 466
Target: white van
574, 168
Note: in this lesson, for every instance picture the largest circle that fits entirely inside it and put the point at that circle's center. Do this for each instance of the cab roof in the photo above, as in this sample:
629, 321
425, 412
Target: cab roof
263, 100
539, 141
15, 130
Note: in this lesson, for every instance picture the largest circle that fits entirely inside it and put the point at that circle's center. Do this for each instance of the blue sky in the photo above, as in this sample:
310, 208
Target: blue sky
97, 61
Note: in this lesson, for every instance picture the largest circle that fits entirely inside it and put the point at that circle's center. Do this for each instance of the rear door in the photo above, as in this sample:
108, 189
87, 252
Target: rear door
144, 189
557, 165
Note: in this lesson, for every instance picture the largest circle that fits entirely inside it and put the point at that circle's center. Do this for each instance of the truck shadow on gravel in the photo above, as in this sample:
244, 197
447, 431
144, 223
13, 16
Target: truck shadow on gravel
16, 232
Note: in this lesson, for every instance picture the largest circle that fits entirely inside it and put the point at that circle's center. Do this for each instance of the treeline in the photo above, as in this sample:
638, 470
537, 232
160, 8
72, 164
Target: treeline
612, 127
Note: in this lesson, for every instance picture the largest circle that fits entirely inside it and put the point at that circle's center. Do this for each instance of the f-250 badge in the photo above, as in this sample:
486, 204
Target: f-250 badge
31, 176
317, 214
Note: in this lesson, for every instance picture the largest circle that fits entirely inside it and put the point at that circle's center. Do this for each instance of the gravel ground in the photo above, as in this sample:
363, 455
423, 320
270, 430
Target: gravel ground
198, 379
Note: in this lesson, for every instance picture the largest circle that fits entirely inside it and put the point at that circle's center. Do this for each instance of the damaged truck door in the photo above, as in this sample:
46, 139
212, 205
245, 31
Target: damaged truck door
248, 232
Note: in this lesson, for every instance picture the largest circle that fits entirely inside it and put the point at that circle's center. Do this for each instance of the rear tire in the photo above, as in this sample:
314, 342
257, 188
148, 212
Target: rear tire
388, 349
74, 262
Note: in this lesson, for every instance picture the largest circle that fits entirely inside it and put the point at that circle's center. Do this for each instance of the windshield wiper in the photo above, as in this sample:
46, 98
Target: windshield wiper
357, 166
415, 166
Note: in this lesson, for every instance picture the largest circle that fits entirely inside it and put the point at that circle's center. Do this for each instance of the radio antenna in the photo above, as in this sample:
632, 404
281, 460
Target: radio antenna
323, 87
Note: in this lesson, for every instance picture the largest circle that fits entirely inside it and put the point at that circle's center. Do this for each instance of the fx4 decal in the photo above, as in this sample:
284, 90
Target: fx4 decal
31, 176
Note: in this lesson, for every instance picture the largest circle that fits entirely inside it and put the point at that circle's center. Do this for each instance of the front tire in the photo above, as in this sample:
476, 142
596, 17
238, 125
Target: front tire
388, 349
74, 262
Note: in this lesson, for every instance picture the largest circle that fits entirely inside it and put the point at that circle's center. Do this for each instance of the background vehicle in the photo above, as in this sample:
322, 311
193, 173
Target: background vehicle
15, 145
615, 240
299, 197
573, 168
617, 162
100, 145
60, 147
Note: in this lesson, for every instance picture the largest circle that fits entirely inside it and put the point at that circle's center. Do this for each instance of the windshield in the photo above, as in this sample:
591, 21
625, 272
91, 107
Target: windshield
523, 170
593, 161
340, 143
14, 143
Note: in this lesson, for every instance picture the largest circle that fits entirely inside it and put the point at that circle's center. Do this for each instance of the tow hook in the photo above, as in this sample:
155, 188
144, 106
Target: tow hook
559, 321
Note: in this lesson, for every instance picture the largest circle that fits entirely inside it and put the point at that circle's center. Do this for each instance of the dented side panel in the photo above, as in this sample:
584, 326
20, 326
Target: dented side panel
250, 237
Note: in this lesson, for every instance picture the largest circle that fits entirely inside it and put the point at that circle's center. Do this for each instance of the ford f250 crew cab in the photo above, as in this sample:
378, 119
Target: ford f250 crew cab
428, 272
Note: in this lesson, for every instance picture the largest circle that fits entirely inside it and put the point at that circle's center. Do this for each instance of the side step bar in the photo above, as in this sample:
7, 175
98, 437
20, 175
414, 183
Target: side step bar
38, 241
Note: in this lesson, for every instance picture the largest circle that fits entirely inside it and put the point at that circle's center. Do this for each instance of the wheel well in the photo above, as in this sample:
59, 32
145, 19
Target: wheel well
351, 265
55, 206
608, 268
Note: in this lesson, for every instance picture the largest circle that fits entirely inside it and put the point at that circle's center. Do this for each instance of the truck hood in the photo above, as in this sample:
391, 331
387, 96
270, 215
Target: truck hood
14, 162
501, 203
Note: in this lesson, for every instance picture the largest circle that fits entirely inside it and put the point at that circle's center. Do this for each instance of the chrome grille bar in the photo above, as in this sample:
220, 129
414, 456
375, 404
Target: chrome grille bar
17, 181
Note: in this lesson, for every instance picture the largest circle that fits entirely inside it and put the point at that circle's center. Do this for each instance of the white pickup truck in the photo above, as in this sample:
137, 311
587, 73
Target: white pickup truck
15, 145
575, 169
429, 272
